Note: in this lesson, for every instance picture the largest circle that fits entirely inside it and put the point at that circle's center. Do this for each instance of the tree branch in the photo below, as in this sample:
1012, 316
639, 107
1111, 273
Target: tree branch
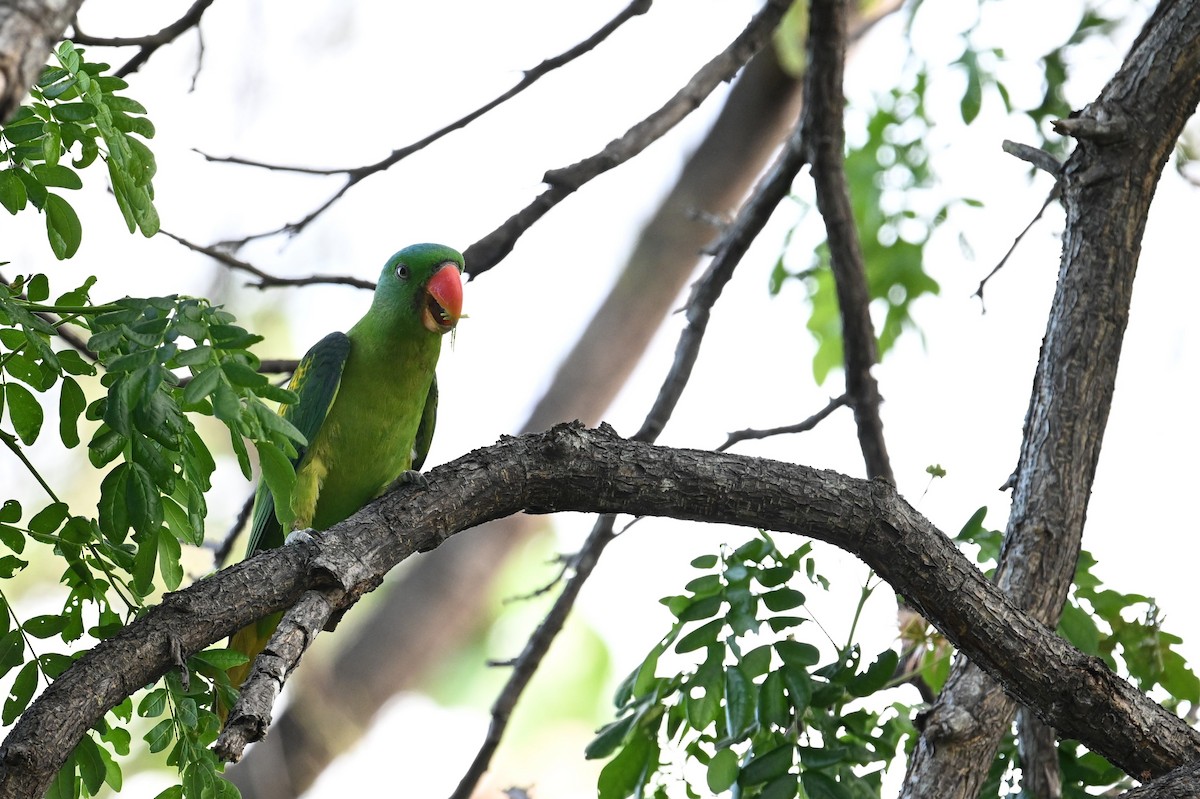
825, 139
149, 43
355, 175
799, 427
570, 468
266, 280
492, 248
1124, 139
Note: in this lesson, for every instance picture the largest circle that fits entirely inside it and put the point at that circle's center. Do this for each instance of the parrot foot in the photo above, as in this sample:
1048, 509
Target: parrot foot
299, 537
410, 477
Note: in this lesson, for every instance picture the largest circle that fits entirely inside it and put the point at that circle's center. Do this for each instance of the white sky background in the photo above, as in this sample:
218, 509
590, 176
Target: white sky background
342, 84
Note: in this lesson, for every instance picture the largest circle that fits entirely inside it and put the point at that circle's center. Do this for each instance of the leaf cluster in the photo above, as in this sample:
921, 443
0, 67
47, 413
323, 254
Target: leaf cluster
758, 714
76, 110
162, 363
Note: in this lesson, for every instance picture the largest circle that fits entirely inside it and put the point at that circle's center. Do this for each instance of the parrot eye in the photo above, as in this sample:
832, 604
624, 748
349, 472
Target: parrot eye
402, 271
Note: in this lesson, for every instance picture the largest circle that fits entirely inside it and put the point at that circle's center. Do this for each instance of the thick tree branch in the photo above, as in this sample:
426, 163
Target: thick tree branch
29, 29
1125, 138
570, 468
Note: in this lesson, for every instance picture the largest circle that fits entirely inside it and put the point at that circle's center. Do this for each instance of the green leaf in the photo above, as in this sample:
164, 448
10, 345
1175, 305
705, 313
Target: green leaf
74, 112
46, 626
701, 637
783, 599
798, 653
225, 404
143, 563
49, 518
776, 575
10, 511
280, 477
820, 786
1080, 629
21, 692
12, 650
106, 445
113, 506
876, 676
153, 704
773, 707
12, 192
609, 737
767, 766
629, 769
169, 553
71, 402
24, 411
144, 502
702, 608
240, 374
160, 735
722, 770
38, 288
739, 703
705, 562
56, 176
62, 227
799, 688
10, 565
785, 786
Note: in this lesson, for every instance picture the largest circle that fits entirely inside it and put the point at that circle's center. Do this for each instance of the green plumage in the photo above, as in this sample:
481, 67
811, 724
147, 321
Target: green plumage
367, 405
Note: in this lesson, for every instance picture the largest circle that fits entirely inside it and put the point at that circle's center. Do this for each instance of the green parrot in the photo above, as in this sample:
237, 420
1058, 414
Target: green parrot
367, 406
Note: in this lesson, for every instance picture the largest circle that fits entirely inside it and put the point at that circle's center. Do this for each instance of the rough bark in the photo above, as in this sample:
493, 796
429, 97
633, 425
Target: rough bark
1124, 139
570, 468
29, 29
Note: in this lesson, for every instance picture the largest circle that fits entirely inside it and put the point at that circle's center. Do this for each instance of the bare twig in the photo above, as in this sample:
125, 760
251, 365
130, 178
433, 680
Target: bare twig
148, 44
526, 665
492, 248
736, 239
355, 175
825, 138
800, 427
266, 280
1044, 161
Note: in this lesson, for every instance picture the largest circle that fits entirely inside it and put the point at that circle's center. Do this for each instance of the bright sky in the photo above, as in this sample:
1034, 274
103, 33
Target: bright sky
342, 84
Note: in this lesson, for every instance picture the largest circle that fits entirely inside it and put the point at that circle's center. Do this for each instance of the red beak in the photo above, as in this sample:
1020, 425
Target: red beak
443, 299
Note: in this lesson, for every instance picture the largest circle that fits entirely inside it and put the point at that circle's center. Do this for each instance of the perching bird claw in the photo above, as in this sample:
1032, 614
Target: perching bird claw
299, 537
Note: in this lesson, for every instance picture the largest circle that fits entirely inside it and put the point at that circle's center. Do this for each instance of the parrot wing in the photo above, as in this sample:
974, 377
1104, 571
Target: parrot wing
315, 382
425, 428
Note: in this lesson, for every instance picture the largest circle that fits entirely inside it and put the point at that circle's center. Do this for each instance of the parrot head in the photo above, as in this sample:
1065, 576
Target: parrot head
423, 281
